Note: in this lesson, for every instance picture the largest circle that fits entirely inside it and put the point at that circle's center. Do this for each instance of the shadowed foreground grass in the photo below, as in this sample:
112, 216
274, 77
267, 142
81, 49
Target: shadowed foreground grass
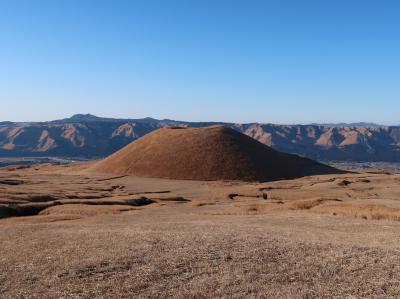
315, 237
188, 259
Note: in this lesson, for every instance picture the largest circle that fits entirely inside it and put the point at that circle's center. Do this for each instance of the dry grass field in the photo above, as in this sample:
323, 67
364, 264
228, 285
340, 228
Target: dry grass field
69, 233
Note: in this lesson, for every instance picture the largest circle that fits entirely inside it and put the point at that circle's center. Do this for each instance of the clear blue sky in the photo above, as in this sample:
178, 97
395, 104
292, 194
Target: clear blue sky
277, 61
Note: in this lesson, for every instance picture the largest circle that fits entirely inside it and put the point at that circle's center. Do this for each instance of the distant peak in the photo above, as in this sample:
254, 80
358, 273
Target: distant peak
86, 118
81, 117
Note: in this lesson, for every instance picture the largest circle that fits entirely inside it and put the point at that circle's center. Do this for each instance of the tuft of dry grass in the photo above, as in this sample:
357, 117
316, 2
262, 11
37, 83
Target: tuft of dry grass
85, 210
370, 211
282, 206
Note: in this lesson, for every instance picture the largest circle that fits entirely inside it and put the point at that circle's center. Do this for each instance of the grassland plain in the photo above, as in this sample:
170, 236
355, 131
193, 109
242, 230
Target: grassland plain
98, 236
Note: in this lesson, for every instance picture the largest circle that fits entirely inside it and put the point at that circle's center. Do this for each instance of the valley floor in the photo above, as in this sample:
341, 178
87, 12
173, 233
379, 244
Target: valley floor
125, 237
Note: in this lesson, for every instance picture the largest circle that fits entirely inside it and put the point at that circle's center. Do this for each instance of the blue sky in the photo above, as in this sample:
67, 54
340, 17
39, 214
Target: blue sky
278, 61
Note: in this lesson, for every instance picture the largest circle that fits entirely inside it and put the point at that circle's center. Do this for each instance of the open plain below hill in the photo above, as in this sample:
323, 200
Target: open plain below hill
91, 136
80, 234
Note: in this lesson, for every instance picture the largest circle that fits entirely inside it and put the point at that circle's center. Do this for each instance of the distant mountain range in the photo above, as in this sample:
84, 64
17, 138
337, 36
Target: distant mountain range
359, 124
86, 135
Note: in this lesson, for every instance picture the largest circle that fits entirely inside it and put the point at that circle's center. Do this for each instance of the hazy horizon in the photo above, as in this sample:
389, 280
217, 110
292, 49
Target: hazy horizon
283, 62
186, 120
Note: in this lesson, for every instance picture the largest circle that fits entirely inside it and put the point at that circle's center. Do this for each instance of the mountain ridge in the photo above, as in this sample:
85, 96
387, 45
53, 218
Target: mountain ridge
90, 136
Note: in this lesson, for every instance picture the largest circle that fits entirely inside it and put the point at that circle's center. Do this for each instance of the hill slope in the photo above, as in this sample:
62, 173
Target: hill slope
212, 153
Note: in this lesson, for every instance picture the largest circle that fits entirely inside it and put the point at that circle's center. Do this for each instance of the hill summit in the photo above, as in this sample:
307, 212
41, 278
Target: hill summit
212, 153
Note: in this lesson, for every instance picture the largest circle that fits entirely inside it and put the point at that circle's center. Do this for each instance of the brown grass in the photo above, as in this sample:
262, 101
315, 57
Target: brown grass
167, 254
85, 210
369, 211
195, 242
283, 206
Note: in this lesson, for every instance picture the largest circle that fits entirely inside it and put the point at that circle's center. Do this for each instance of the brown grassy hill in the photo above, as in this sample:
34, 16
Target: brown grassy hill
212, 153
